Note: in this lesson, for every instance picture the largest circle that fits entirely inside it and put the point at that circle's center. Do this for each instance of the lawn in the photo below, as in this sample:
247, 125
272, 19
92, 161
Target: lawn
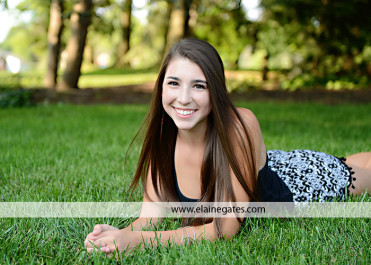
70, 153
91, 79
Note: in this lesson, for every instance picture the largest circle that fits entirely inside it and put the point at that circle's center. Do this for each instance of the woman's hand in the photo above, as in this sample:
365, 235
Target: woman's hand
107, 239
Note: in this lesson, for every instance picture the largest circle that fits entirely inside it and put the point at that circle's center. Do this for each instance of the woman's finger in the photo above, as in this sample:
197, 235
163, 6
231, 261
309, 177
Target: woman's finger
93, 237
91, 250
97, 229
102, 227
97, 243
104, 250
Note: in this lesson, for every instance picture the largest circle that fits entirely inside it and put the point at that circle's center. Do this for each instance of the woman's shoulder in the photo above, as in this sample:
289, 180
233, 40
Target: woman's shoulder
248, 118
252, 124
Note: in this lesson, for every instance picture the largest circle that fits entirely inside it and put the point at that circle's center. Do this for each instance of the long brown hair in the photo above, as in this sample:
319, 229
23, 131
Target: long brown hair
219, 157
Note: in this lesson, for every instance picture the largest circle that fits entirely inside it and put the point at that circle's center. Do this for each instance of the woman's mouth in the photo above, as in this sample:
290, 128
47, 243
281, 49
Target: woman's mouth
185, 113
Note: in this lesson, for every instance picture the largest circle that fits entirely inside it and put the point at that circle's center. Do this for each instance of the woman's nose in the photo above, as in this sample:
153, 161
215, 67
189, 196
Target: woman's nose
184, 96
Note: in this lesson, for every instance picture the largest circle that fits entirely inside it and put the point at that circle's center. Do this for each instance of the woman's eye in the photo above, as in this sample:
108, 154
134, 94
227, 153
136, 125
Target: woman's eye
172, 83
198, 86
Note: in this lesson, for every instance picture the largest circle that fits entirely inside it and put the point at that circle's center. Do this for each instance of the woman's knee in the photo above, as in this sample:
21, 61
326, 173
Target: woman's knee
362, 160
360, 180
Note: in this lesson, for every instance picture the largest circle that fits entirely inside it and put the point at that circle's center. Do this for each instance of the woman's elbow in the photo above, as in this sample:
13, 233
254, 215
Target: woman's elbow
230, 228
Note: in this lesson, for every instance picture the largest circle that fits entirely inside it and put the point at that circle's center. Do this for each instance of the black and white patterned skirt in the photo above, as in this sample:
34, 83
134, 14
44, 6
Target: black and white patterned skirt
311, 175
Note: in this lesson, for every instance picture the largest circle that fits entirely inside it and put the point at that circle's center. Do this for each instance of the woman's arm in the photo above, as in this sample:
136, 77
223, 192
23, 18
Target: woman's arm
149, 196
107, 238
124, 240
137, 225
252, 123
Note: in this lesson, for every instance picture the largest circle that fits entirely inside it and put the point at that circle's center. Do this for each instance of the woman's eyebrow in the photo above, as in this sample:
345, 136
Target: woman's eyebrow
173, 77
193, 81
199, 81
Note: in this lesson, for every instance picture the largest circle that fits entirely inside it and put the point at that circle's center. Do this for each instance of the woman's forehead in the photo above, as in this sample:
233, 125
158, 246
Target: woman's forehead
181, 66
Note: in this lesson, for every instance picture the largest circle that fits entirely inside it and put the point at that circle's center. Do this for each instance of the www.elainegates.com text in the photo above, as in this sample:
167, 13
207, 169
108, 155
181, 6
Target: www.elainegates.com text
224, 210
184, 209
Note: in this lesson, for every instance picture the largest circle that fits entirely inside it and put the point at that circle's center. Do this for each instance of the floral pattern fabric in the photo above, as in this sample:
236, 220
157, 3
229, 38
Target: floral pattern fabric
311, 175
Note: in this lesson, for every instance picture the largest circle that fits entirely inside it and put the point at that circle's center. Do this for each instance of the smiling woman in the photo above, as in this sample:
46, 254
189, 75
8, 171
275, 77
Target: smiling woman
198, 147
185, 96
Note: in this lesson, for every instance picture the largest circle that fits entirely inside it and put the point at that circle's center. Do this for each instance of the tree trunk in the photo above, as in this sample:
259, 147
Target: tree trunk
176, 25
187, 6
54, 42
167, 26
265, 67
89, 52
80, 20
124, 45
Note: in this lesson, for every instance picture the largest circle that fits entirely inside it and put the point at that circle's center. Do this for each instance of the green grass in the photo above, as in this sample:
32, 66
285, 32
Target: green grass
76, 153
116, 77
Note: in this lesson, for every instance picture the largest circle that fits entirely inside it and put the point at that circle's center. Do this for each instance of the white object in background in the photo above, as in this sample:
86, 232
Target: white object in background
13, 64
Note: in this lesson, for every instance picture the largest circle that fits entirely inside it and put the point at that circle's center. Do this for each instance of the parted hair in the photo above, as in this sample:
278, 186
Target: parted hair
224, 124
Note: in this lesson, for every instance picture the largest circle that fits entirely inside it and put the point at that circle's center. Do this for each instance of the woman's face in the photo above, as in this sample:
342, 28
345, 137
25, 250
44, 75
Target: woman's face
185, 94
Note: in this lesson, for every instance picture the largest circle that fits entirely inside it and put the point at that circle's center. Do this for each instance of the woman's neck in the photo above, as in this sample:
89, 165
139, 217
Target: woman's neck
195, 137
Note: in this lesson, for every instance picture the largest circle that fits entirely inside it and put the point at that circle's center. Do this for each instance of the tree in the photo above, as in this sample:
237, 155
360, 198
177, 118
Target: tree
340, 30
4, 4
179, 21
166, 26
225, 26
54, 42
124, 45
27, 40
80, 21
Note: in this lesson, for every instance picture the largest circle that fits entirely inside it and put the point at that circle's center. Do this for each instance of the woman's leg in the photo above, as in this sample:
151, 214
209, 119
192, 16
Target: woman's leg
361, 165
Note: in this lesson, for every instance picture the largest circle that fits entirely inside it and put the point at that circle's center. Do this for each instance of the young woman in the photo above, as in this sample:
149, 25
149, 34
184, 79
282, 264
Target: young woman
199, 147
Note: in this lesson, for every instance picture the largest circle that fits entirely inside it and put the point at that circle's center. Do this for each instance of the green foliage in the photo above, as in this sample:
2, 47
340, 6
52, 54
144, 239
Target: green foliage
15, 98
308, 81
10, 81
28, 40
146, 46
3, 4
104, 32
148, 40
224, 25
105, 35
27, 79
330, 36
12, 93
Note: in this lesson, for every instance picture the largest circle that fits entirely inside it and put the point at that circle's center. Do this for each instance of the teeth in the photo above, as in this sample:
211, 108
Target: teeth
184, 112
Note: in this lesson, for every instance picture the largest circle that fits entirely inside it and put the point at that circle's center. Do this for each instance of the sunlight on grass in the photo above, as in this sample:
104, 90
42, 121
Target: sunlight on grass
101, 81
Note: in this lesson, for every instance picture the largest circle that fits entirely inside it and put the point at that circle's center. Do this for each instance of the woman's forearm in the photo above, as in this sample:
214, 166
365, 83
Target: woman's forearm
109, 240
142, 223
183, 235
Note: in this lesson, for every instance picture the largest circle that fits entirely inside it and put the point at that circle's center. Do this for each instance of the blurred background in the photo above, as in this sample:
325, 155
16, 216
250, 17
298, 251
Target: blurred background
265, 44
